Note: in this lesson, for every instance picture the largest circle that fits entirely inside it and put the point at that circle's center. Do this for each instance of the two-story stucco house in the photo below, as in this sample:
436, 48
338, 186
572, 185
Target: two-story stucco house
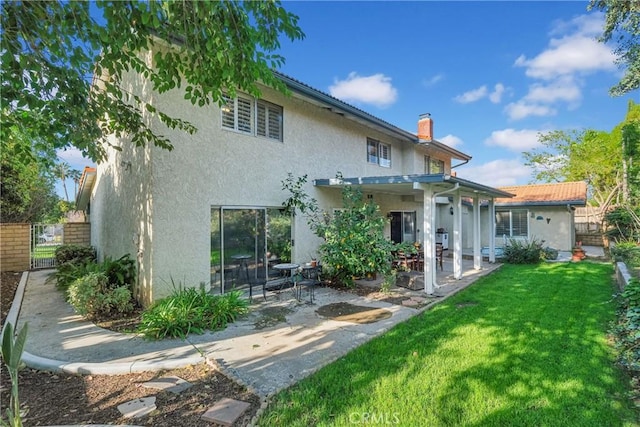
189, 215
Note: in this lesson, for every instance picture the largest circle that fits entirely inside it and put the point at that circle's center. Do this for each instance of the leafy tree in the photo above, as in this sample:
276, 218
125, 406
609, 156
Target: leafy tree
354, 242
27, 190
63, 63
597, 157
623, 23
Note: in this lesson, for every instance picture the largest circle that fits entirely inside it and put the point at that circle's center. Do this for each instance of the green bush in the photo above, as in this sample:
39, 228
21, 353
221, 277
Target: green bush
354, 241
92, 296
549, 253
627, 252
75, 254
191, 310
119, 272
523, 251
627, 330
622, 224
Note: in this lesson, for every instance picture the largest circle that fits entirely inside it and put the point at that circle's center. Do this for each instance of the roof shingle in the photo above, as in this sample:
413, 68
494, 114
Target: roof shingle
572, 193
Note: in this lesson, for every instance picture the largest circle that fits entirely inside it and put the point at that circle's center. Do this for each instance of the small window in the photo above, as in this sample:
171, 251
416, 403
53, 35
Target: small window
255, 117
512, 223
378, 153
372, 151
269, 120
237, 114
433, 166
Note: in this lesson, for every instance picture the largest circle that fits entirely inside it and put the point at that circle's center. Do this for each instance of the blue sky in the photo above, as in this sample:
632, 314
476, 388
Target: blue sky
492, 74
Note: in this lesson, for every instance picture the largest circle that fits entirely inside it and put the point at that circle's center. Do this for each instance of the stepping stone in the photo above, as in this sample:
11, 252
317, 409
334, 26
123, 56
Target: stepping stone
419, 299
172, 384
226, 411
137, 408
410, 303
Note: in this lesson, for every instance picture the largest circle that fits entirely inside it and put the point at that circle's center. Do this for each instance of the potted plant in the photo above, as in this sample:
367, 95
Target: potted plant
577, 254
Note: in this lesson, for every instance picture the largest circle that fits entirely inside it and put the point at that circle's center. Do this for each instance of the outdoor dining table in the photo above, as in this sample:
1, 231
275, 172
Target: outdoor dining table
290, 267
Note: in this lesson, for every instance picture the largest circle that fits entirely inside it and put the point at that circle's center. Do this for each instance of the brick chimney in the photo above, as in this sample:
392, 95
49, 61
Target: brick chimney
425, 127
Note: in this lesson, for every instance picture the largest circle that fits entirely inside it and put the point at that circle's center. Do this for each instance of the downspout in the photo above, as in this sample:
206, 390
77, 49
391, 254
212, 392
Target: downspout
432, 237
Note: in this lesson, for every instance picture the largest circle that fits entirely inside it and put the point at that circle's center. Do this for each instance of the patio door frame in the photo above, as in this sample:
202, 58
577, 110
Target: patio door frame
398, 219
256, 267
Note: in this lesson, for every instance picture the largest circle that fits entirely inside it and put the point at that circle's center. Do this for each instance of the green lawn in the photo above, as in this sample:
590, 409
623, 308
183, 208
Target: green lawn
43, 251
525, 346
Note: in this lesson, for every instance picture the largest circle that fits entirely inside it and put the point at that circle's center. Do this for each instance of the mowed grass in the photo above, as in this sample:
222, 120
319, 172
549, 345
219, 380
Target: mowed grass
44, 251
525, 346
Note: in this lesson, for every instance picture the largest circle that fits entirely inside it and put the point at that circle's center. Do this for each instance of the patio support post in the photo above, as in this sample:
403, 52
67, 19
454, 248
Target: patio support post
457, 235
429, 246
492, 230
477, 249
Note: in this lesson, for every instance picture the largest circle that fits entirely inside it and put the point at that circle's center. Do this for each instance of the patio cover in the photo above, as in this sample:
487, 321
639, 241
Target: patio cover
430, 186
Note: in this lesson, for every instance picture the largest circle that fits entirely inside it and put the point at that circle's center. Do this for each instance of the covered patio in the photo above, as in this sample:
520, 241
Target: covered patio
426, 189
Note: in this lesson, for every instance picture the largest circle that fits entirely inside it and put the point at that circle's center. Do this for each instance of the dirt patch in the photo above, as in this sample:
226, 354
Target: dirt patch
10, 282
347, 312
271, 316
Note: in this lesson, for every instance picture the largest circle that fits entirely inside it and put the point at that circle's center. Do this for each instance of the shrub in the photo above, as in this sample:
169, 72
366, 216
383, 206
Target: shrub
93, 297
627, 252
523, 251
549, 253
191, 310
628, 327
120, 272
354, 241
623, 224
75, 254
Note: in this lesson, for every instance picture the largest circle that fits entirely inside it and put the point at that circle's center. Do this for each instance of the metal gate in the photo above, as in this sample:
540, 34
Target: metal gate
45, 239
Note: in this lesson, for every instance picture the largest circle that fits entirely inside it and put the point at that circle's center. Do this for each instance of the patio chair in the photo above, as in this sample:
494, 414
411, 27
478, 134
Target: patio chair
257, 282
310, 280
439, 255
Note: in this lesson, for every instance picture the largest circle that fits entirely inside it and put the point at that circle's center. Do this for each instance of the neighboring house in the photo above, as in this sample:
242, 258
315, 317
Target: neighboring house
542, 212
213, 204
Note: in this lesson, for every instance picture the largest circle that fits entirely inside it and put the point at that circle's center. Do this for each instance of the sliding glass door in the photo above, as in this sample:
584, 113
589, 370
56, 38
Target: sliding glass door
243, 242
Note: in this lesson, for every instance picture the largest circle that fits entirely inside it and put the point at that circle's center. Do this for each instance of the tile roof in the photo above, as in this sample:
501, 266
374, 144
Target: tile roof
562, 193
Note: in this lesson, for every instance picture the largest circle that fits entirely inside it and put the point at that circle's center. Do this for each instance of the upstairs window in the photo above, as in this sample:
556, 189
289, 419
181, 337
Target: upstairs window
254, 117
433, 166
378, 153
512, 223
269, 120
237, 114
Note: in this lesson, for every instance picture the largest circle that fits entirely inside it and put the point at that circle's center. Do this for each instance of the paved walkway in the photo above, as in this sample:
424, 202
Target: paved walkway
259, 352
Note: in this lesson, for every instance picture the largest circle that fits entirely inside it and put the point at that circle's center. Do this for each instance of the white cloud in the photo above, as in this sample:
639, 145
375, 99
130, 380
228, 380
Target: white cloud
514, 140
521, 109
497, 173
472, 95
564, 89
575, 50
433, 80
482, 92
376, 89
496, 95
451, 140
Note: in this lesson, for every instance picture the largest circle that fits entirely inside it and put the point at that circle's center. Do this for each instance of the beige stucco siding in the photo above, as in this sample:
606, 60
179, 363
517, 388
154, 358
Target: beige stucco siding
557, 233
219, 167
